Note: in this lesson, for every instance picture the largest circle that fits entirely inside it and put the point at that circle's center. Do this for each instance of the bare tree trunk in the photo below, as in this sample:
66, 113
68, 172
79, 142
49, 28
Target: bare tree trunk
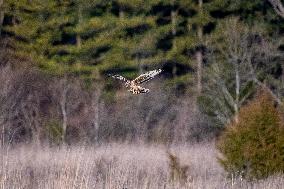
139, 63
4, 83
63, 103
78, 41
278, 7
199, 60
174, 31
36, 120
96, 104
264, 86
78, 36
121, 12
140, 70
199, 56
237, 98
30, 112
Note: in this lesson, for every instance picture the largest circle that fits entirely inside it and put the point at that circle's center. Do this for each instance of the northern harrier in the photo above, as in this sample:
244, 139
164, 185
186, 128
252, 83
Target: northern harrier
133, 85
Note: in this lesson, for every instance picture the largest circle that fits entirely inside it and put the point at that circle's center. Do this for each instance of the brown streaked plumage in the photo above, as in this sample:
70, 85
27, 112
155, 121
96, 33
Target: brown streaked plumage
133, 85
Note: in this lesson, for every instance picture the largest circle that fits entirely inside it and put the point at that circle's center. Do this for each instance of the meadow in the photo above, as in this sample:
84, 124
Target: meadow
118, 166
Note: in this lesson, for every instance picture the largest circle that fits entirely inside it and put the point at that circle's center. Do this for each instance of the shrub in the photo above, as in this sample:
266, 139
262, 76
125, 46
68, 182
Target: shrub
178, 172
253, 147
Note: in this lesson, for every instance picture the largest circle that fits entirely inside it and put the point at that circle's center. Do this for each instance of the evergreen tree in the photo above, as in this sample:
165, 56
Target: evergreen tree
136, 42
58, 35
253, 147
87, 38
184, 43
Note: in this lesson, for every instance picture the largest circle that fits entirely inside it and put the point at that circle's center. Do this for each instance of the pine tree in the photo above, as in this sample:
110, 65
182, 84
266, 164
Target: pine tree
58, 36
133, 39
186, 24
87, 38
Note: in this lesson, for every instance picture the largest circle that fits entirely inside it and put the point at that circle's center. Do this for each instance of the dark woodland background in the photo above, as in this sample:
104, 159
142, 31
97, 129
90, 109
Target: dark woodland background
55, 56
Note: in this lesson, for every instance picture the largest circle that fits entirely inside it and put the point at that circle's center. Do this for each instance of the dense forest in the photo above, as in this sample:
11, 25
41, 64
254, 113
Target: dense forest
55, 56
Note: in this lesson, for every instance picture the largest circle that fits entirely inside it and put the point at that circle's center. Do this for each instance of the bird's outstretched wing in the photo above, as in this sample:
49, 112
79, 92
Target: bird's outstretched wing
146, 76
119, 77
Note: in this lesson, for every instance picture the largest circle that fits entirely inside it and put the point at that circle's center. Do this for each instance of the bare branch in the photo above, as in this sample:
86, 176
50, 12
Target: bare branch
278, 7
269, 90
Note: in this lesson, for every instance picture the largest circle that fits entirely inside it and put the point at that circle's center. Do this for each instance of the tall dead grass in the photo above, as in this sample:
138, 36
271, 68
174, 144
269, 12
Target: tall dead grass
117, 166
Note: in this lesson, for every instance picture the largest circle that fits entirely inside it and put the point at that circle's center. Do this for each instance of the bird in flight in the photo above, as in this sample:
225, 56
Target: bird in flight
133, 85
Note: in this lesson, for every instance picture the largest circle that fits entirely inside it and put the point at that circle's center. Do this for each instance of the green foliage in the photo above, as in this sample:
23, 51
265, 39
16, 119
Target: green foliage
58, 35
76, 36
254, 146
86, 37
250, 10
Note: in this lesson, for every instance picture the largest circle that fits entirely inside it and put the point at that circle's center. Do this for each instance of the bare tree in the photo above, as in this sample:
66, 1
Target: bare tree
73, 105
30, 109
21, 99
237, 69
5, 85
60, 88
96, 104
199, 55
174, 15
64, 86
278, 7
265, 58
229, 71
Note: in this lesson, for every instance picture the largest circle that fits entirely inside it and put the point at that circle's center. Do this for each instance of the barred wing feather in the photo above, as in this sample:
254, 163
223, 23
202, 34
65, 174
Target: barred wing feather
146, 76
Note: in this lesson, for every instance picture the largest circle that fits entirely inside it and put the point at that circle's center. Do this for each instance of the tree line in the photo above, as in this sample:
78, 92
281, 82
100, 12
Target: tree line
56, 53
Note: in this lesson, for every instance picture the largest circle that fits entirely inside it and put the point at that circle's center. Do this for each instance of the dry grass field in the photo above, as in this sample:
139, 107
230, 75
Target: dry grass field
118, 166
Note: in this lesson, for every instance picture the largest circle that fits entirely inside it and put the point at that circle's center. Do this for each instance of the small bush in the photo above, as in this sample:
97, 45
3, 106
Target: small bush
254, 146
178, 172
